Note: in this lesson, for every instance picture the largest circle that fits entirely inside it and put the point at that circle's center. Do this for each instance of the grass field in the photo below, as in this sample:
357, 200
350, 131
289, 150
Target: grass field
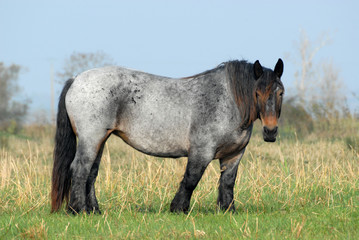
306, 188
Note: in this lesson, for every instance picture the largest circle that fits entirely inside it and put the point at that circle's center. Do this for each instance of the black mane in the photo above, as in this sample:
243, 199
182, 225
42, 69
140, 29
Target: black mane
242, 79
205, 72
240, 73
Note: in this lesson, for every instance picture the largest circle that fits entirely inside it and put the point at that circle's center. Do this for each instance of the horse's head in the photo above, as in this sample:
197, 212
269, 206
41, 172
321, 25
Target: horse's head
268, 97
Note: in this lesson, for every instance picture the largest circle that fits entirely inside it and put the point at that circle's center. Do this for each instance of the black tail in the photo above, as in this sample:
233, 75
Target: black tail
64, 153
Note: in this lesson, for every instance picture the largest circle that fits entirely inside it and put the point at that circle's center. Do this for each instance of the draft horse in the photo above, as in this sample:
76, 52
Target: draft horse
203, 117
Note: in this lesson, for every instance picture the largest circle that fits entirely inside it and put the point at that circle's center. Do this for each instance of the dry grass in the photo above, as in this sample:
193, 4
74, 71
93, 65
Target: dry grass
284, 177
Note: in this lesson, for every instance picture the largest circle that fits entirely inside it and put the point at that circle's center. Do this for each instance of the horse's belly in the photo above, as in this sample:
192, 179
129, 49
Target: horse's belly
163, 140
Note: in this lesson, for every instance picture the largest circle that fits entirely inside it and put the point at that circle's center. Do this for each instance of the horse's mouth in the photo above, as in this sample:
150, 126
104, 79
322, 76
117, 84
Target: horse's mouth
269, 139
269, 135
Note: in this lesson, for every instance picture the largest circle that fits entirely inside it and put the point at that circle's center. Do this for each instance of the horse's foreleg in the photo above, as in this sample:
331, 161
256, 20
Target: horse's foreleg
229, 167
196, 165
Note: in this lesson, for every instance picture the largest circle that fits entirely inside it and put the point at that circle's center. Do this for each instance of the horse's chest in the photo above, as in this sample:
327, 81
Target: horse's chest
233, 144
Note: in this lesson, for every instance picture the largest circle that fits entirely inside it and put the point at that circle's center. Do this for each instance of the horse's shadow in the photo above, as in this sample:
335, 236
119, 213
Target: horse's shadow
211, 209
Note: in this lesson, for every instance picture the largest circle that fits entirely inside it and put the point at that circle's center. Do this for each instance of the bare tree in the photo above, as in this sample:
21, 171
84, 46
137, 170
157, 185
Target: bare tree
306, 73
319, 87
12, 112
79, 62
330, 96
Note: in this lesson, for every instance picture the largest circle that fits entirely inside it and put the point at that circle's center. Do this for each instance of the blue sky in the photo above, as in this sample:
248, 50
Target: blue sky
173, 38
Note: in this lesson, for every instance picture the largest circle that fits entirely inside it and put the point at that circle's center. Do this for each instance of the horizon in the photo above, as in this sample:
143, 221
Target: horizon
174, 39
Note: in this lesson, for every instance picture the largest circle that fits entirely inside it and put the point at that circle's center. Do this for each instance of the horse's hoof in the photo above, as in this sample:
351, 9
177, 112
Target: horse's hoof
228, 208
94, 210
180, 204
177, 208
75, 210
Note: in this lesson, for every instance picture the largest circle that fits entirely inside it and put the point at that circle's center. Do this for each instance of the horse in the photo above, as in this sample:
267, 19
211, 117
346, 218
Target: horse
202, 117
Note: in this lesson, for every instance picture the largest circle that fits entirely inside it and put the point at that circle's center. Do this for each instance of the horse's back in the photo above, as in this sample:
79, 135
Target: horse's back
151, 113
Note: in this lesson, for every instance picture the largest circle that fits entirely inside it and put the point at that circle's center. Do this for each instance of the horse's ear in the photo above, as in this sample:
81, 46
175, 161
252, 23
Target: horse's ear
258, 70
278, 70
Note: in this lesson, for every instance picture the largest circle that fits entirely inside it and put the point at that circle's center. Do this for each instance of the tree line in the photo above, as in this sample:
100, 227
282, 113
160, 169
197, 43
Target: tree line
316, 96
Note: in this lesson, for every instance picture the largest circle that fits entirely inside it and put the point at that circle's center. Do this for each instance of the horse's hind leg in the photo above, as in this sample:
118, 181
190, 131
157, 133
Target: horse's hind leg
229, 167
84, 170
91, 200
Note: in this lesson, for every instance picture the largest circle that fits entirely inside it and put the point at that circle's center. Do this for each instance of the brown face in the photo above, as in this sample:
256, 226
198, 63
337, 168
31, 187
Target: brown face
269, 97
269, 104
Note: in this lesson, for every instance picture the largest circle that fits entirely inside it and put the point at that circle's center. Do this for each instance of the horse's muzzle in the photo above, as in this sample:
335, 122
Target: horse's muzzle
269, 135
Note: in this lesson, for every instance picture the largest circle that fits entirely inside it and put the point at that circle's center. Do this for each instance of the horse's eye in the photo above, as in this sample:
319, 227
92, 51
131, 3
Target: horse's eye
281, 94
257, 94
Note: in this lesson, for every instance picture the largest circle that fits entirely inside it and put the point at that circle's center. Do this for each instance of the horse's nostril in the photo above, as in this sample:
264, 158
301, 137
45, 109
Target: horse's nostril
266, 130
275, 130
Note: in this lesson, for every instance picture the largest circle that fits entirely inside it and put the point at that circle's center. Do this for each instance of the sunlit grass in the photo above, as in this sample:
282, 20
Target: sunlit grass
306, 188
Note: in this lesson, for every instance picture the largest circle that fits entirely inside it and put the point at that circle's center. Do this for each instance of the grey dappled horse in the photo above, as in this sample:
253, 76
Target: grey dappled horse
203, 117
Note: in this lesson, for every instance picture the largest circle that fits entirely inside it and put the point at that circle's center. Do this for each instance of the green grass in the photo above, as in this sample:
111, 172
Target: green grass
316, 222
307, 189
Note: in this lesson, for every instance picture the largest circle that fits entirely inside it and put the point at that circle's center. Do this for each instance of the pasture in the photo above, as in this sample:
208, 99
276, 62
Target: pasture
305, 188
